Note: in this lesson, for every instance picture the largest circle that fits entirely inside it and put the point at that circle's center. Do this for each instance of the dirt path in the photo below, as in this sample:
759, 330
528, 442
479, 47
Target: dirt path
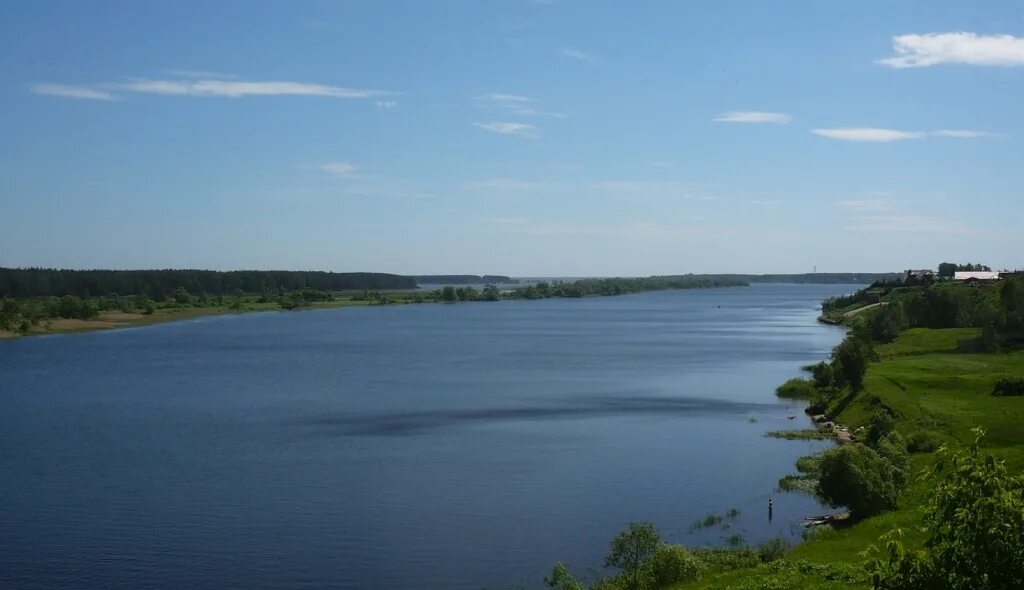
860, 309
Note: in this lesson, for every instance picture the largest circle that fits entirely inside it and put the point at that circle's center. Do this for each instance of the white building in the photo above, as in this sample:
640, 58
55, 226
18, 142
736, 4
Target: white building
976, 275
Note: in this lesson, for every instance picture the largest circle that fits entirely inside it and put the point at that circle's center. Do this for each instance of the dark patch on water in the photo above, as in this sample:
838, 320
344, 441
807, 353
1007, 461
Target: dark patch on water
411, 423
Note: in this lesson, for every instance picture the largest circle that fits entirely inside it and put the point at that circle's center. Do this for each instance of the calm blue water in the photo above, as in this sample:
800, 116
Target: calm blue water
429, 446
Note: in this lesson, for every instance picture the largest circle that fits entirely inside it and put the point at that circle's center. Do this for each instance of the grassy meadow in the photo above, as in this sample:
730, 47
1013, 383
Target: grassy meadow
929, 386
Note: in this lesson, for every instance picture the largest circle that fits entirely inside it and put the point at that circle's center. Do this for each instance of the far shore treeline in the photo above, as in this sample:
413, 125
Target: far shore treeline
47, 282
161, 283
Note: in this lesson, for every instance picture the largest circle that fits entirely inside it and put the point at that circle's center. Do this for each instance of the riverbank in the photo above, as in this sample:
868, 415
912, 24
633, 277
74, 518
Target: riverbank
115, 320
73, 314
928, 385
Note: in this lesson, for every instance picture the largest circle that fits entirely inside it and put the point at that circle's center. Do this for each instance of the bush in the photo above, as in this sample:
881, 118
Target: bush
772, 550
923, 441
673, 564
821, 374
858, 477
894, 450
719, 560
880, 426
975, 522
887, 323
561, 579
1009, 386
796, 389
632, 549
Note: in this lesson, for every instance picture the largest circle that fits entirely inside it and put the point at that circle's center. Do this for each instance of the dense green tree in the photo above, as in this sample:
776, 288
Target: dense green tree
879, 427
850, 363
448, 294
631, 549
888, 322
674, 564
856, 476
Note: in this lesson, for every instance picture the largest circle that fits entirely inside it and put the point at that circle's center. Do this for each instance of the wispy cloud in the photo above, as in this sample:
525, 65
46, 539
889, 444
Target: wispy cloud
963, 133
753, 117
386, 104
577, 55
516, 104
507, 128
765, 202
918, 51
340, 168
499, 97
873, 215
65, 91
867, 134
239, 88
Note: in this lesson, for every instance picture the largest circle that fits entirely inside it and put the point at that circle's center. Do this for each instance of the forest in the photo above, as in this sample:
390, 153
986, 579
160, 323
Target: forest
158, 284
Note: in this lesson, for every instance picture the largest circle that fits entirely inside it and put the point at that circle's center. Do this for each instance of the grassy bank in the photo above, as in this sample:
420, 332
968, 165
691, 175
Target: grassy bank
928, 386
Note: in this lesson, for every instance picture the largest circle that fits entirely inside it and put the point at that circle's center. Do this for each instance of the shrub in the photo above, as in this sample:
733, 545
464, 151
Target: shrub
858, 477
880, 426
821, 374
561, 579
1009, 386
796, 389
975, 522
673, 564
724, 559
772, 550
632, 549
923, 441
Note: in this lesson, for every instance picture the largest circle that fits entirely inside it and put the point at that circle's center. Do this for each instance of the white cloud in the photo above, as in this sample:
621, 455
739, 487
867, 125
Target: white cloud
916, 51
239, 88
765, 202
536, 113
505, 128
386, 104
340, 168
753, 117
578, 55
64, 91
867, 134
962, 133
498, 97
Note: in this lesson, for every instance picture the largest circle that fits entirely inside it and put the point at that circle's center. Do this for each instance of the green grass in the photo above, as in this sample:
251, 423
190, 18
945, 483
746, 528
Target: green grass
929, 386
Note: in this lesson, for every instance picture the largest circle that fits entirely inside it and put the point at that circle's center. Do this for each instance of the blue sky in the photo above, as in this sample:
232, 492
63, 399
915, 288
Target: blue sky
557, 138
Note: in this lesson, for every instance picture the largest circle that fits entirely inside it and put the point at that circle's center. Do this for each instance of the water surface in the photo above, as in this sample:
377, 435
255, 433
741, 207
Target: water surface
430, 446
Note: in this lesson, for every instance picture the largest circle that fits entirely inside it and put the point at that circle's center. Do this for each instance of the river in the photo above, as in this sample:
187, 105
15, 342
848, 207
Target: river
416, 446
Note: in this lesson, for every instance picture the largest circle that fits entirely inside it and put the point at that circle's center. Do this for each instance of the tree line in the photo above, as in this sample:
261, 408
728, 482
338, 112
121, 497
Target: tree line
158, 284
